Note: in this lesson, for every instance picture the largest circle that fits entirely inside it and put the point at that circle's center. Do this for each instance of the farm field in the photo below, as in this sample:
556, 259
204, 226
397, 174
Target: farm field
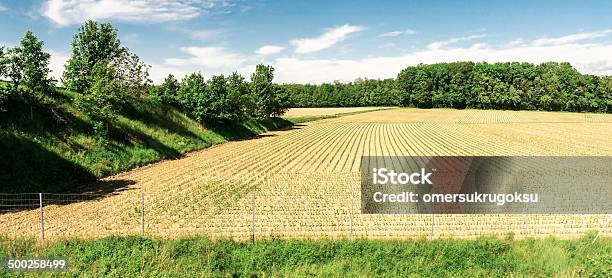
303, 179
327, 111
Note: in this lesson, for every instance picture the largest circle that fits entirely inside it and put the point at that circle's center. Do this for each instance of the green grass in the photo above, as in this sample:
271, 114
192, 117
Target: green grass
199, 256
310, 118
303, 119
58, 149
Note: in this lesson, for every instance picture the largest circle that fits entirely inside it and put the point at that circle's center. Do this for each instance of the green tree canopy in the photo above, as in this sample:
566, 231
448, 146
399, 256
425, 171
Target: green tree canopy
191, 95
262, 90
239, 94
167, 93
34, 64
96, 44
92, 44
3, 62
101, 99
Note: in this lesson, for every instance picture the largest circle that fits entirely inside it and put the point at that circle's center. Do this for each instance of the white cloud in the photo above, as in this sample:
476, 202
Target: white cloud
397, 33
56, 63
210, 57
515, 42
572, 38
204, 34
158, 72
326, 40
199, 34
387, 45
66, 12
445, 43
2, 8
6, 44
269, 49
591, 58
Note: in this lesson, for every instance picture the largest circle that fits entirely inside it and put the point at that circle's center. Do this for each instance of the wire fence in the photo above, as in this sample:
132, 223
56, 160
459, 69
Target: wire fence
260, 213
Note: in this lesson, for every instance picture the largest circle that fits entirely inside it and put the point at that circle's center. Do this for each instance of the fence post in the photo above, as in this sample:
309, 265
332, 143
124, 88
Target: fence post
253, 223
42, 216
433, 224
526, 222
142, 213
351, 214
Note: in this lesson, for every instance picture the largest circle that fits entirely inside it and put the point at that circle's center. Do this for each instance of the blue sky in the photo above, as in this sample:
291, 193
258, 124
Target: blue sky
323, 41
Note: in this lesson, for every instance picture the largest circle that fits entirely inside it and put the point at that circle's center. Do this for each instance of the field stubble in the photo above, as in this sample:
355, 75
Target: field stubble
304, 179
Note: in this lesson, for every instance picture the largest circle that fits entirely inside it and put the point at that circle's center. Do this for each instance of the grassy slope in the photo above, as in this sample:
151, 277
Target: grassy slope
198, 256
57, 150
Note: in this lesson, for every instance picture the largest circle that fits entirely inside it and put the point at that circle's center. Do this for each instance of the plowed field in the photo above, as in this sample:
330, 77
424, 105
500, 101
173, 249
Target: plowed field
304, 178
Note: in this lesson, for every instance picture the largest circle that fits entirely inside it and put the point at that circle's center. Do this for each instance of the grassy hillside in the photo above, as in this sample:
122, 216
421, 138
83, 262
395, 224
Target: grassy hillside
54, 148
198, 256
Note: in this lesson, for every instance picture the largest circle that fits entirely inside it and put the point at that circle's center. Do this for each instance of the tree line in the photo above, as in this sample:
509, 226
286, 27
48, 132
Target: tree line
361, 92
550, 86
224, 99
103, 74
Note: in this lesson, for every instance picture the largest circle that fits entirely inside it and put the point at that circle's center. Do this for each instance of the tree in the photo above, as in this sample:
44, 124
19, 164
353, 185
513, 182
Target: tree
605, 94
28, 65
14, 68
238, 92
263, 91
220, 103
280, 101
167, 92
35, 63
35, 70
220, 100
11, 68
3, 62
101, 98
93, 45
132, 74
191, 95
96, 44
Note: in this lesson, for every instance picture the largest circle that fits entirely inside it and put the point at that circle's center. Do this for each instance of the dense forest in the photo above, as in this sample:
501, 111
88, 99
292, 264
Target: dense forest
549, 86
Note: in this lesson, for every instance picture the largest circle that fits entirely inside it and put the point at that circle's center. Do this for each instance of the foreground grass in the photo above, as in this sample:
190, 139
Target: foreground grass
55, 148
199, 256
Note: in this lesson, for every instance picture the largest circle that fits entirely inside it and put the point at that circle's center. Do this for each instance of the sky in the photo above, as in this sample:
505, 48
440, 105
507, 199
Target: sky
324, 41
